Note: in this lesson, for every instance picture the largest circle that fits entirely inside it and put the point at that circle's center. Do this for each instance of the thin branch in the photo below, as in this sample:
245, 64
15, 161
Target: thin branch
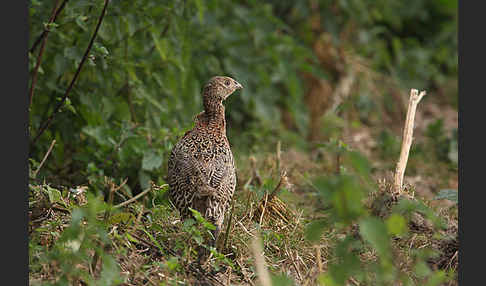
46, 31
46, 124
45, 158
41, 52
284, 182
137, 197
318, 258
415, 98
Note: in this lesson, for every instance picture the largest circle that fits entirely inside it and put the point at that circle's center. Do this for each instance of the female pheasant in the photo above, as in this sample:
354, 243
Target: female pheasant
201, 170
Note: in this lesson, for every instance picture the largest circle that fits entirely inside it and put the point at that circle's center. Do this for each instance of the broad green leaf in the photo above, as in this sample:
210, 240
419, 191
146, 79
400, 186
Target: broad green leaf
151, 160
437, 278
197, 215
314, 230
421, 269
110, 273
162, 45
396, 224
172, 263
375, 232
447, 194
282, 280
124, 217
54, 195
360, 163
144, 179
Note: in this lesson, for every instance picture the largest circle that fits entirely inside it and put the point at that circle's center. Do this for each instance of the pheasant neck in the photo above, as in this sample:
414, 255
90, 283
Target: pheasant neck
214, 117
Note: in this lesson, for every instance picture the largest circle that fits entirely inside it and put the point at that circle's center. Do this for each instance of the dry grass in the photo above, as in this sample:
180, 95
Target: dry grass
280, 222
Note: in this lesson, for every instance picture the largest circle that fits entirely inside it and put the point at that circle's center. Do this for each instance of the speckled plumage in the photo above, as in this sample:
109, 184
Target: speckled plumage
201, 170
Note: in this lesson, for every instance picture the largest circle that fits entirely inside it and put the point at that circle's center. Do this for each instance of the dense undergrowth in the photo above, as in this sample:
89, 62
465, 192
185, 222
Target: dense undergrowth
324, 103
339, 228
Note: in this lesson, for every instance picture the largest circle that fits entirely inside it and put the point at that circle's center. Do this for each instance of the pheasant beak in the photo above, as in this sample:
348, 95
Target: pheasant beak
238, 85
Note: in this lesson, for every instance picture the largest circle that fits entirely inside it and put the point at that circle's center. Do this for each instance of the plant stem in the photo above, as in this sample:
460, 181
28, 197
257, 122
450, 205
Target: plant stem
45, 32
46, 124
41, 52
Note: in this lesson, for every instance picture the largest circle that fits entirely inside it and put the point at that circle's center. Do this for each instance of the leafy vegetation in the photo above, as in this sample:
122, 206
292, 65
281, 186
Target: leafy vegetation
326, 80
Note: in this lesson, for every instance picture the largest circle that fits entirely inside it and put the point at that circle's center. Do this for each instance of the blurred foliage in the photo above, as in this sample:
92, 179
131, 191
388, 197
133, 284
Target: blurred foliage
365, 251
140, 87
84, 235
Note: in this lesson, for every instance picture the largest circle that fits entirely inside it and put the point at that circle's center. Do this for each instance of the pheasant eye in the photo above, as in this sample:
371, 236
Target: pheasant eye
227, 82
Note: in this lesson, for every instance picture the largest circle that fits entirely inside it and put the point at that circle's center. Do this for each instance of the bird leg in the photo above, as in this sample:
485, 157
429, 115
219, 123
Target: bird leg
215, 234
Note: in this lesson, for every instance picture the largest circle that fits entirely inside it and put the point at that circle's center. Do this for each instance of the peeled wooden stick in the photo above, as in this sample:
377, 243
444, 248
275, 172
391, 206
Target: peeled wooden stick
262, 271
415, 98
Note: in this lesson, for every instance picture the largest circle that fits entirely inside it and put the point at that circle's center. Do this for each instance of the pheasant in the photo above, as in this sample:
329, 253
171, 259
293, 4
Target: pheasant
201, 169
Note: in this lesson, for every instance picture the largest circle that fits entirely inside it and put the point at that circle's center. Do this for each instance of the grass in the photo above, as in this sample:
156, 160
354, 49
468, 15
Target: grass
145, 242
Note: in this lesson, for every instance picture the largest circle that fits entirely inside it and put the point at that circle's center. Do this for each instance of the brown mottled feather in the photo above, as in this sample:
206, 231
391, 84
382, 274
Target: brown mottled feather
201, 170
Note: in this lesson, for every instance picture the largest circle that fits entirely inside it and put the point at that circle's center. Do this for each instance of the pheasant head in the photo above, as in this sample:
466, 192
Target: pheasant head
217, 90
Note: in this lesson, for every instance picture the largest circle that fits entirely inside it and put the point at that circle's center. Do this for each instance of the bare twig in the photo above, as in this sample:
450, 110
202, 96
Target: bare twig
354, 281
283, 182
137, 197
46, 31
244, 228
318, 258
289, 253
45, 158
263, 274
46, 124
39, 56
264, 207
415, 98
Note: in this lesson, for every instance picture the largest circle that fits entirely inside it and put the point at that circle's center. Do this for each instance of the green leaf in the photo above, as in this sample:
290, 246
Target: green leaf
437, 278
144, 179
151, 160
173, 263
421, 269
110, 273
197, 215
162, 45
188, 223
396, 224
124, 217
314, 230
153, 240
447, 194
360, 163
131, 238
54, 195
282, 279
200, 9
375, 232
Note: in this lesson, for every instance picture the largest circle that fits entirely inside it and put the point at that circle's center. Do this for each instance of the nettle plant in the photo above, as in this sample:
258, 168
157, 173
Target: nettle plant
140, 85
69, 254
366, 246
